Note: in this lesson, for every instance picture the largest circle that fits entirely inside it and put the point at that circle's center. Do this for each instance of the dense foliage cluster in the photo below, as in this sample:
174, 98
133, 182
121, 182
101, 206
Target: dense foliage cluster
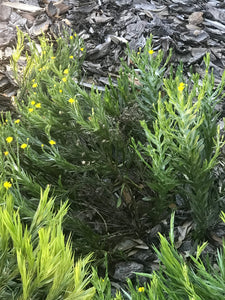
149, 138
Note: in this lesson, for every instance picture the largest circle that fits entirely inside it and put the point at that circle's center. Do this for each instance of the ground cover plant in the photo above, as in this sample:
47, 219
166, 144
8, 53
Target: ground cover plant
80, 142
178, 279
36, 261
152, 138
183, 147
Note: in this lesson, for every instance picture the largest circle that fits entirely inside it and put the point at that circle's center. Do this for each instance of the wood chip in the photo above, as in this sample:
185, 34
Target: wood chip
23, 7
5, 12
196, 18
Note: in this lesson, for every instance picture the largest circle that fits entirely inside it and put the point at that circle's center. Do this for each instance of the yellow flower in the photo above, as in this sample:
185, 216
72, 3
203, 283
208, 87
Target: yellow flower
30, 109
64, 79
7, 185
34, 85
71, 37
33, 102
60, 91
75, 34
38, 105
42, 145
151, 52
181, 87
71, 56
81, 49
53, 57
23, 146
51, 142
71, 100
6, 121
9, 139
40, 69
141, 289
17, 121
33, 80
66, 71
138, 53
6, 153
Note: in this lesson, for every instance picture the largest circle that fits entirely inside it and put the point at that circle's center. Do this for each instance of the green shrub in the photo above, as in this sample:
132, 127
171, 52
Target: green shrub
197, 278
178, 279
36, 262
147, 72
183, 147
80, 141
74, 133
75, 140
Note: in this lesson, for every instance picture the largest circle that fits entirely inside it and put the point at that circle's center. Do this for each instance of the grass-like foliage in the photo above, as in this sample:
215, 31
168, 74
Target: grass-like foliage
36, 262
177, 278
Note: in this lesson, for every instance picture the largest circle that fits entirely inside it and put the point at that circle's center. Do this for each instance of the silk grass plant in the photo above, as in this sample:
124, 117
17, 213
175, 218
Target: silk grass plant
36, 261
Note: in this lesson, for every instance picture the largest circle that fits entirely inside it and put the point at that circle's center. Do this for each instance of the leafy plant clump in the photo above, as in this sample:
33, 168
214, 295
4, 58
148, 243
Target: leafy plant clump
149, 140
195, 279
183, 147
77, 141
36, 262
178, 279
